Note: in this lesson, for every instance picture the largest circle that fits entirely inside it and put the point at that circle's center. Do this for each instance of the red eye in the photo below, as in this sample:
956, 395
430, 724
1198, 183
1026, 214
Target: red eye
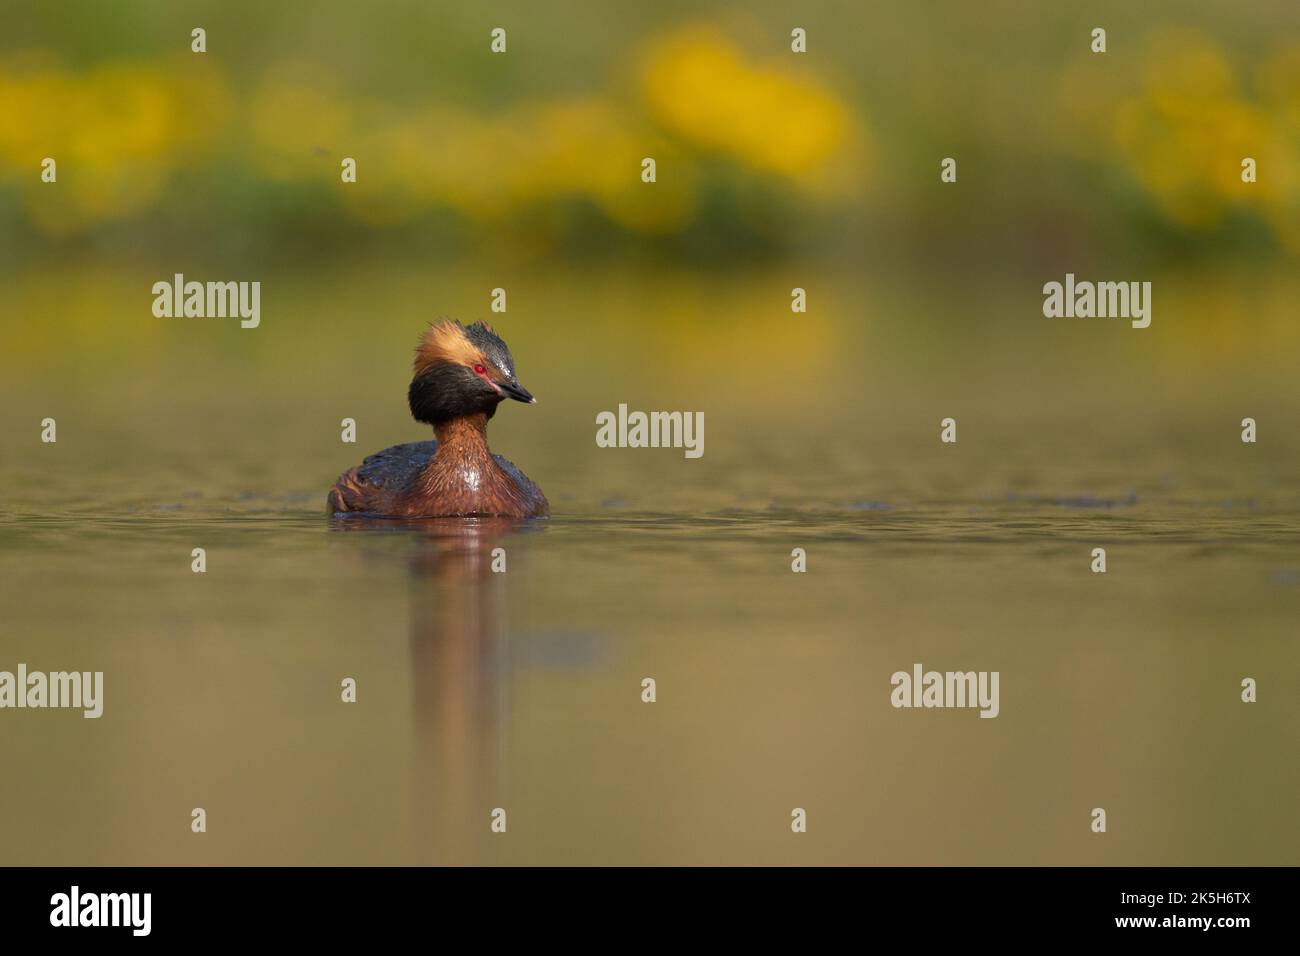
480, 370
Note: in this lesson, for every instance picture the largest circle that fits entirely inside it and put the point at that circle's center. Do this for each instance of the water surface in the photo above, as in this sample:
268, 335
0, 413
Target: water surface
522, 690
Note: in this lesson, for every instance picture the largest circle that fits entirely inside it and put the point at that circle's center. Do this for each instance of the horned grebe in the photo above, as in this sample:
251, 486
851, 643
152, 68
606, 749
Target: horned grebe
461, 374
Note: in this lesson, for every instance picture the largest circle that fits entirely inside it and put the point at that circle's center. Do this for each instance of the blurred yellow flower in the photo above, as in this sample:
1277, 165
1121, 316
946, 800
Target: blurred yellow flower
699, 87
533, 154
119, 131
116, 133
1278, 79
1184, 125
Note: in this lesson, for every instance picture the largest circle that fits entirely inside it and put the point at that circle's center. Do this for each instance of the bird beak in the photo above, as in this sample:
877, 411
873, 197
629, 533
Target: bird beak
517, 392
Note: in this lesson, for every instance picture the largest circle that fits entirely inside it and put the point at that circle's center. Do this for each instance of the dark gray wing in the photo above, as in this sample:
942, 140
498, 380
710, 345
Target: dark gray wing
513, 471
397, 467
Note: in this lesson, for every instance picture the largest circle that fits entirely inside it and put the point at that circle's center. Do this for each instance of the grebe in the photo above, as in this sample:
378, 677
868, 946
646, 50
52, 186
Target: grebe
461, 374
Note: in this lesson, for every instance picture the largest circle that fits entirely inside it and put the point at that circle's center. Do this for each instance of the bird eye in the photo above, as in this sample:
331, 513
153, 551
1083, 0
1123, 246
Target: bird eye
480, 369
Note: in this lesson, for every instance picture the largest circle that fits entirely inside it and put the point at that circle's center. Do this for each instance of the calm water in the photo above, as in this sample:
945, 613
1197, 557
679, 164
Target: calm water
521, 690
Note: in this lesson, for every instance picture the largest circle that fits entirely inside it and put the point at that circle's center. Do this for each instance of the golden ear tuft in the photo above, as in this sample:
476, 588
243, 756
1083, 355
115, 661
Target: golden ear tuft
445, 341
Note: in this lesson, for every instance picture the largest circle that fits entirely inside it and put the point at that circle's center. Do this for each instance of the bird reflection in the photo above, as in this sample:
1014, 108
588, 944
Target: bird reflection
460, 664
461, 674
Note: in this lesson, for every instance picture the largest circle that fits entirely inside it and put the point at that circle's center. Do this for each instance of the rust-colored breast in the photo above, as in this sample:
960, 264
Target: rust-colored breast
431, 479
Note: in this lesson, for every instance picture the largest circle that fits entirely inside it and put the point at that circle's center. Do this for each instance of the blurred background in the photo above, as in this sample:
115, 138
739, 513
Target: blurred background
775, 170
